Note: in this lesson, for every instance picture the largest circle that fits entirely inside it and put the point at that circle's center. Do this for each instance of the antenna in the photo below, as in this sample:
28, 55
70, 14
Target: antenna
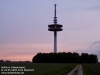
55, 18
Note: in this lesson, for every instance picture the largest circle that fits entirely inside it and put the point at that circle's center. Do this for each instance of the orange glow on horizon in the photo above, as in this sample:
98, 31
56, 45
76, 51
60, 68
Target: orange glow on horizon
25, 52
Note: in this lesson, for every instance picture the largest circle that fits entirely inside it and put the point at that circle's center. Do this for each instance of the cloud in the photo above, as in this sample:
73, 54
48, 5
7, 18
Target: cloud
93, 48
95, 45
96, 7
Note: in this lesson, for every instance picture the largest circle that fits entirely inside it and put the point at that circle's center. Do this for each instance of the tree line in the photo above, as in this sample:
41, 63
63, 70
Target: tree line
64, 58
2, 61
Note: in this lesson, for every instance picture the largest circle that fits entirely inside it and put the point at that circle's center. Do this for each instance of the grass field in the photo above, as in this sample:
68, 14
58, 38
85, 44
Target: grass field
91, 69
44, 68
53, 68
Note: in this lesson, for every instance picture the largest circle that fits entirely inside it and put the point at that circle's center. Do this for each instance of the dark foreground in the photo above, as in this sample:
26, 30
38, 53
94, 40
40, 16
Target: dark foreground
46, 68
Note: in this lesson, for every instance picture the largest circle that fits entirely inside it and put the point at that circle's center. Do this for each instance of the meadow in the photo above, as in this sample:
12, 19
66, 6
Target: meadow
91, 69
43, 68
52, 68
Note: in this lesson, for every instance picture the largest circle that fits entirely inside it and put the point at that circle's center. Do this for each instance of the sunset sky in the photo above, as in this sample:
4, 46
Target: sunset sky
24, 27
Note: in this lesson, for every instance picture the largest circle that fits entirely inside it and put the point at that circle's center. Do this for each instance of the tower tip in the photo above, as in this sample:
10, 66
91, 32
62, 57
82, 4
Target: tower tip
55, 18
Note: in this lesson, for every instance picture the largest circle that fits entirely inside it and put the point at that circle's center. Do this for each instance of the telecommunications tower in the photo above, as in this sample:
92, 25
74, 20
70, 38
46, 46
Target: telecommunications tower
55, 27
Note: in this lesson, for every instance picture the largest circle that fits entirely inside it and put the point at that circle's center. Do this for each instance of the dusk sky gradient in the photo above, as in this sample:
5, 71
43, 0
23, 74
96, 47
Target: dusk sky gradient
24, 27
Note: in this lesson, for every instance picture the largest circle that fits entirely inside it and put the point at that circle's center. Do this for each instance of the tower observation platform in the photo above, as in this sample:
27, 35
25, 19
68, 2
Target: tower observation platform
55, 27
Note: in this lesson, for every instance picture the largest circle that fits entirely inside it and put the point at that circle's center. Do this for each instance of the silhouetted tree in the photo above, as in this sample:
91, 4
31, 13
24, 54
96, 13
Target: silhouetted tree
64, 58
86, 58
1, 60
